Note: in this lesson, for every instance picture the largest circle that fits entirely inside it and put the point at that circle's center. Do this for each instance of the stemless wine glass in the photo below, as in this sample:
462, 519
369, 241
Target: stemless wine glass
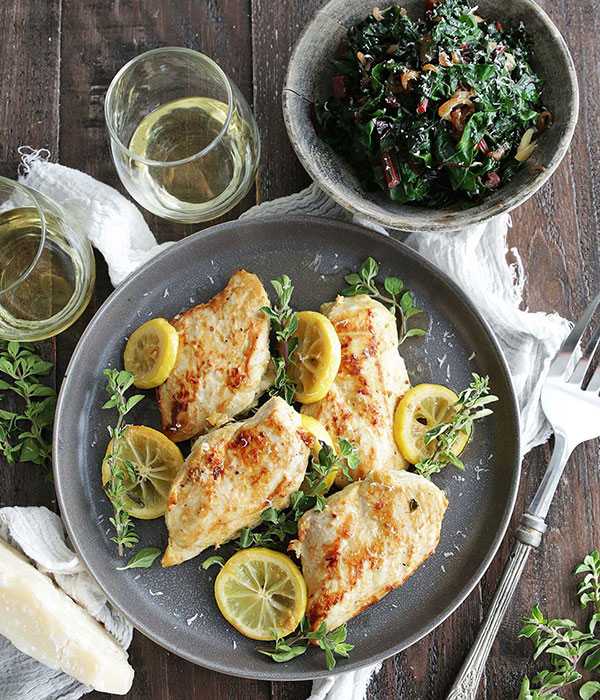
183, 138
47, 269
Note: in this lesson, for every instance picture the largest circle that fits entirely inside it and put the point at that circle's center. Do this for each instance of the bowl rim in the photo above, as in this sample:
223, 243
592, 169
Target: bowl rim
421, 223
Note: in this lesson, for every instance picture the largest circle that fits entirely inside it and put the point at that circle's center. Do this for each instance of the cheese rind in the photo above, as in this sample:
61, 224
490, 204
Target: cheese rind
44, 623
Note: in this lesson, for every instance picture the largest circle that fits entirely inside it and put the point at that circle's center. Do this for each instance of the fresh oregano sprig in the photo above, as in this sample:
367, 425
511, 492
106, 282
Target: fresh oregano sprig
278, 524
296, 644
216, 559
25, 433
284, 323
142, 559
569, 649
315, 481
400, 302
123, 476
566, 645
470, 407
275, 526
588, 590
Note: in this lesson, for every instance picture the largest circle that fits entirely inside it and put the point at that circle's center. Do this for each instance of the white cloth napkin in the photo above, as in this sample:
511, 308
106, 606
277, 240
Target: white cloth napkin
476, 258
40, 535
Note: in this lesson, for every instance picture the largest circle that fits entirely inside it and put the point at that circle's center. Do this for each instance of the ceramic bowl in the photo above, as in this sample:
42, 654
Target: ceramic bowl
308, 79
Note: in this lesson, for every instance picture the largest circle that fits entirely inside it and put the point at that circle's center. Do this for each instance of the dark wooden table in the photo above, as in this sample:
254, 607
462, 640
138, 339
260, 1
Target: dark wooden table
57, 58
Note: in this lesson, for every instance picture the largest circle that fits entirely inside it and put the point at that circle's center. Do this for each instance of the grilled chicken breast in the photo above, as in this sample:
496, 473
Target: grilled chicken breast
223, 361
232, 475
369, 538
371, 380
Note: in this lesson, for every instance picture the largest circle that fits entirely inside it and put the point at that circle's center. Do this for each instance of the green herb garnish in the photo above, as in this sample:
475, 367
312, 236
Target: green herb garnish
142, 559
287, 648
471, 406
433, 110
207, 563
284, 322
275, 526
24, 433
278, 524
319, 469
568, 647
400, 302
122, 471
589, 589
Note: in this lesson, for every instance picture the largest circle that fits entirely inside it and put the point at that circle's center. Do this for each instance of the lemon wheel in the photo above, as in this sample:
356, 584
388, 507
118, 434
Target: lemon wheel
151, 352
317, 357
258, 589
422, 408
156, 461
318, 431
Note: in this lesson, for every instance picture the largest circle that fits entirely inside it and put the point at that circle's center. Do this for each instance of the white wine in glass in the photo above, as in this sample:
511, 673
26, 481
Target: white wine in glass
183, 139
46, 266
179, 129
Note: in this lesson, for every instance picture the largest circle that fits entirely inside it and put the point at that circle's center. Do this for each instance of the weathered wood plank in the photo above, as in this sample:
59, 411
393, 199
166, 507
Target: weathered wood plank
30, 90
30, 81
275, 28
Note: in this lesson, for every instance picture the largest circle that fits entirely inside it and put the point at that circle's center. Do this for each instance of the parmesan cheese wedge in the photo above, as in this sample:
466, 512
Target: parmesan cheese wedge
43, 622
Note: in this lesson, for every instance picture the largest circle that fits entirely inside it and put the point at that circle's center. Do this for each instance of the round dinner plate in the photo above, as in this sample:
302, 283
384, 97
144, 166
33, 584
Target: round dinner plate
175, 606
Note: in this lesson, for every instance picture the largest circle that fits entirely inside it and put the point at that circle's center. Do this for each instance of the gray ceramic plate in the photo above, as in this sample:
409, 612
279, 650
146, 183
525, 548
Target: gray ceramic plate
309, 79
175, 607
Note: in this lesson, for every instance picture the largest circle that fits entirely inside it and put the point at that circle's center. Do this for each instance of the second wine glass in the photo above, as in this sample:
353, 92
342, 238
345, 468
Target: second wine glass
183, 138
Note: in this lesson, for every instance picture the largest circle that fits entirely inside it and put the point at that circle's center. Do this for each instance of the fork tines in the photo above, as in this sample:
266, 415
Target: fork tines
567, 365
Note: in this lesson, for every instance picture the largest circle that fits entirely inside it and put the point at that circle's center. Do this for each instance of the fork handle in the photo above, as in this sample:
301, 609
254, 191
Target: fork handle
467, 682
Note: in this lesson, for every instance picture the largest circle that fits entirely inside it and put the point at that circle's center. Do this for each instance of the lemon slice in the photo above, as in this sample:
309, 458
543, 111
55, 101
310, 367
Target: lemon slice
317, 357
151, 352
318, 431
257, 589
420, 410
156, 461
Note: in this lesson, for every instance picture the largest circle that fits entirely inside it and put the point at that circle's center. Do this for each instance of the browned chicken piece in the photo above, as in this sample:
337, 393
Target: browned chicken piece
368, 539
223, 361
232, 475
372, 379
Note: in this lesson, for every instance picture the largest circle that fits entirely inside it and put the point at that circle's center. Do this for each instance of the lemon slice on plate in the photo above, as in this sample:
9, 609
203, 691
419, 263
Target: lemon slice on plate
151, 352
422, 408
318, 431
258, 589
317, 357
156, 461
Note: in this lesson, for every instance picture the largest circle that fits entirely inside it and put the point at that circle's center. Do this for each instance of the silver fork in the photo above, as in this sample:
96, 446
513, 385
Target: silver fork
574, 414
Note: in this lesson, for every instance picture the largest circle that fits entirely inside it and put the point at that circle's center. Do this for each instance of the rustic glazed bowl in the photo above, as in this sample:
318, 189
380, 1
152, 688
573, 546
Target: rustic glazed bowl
308, 79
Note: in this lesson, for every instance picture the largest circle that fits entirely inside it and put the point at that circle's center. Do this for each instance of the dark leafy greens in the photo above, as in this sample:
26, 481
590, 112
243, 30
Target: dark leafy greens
435, 110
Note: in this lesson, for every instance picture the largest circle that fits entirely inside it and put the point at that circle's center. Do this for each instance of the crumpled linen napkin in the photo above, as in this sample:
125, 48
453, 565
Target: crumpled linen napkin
474, 257
40, 535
